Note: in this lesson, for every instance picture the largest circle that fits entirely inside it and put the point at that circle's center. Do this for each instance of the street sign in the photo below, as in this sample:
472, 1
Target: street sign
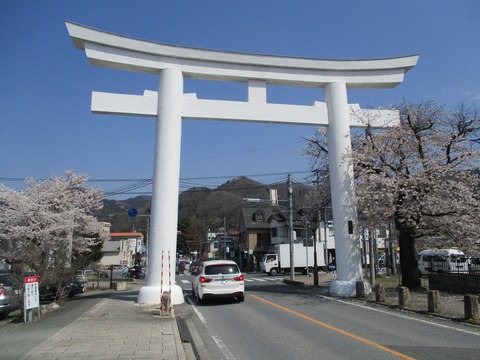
131, 244
32, 296
132, 212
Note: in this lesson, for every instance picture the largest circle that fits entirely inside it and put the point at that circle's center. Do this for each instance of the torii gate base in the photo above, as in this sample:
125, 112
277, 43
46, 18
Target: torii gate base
170, 106
149, 295
348, 288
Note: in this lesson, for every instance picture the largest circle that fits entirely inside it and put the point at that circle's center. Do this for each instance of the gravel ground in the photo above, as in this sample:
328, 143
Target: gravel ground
451, 304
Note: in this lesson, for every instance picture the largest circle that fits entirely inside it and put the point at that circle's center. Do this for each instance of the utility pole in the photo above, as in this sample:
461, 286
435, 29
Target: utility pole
224, 247
305, 232
316, 228
392, 260
315, 239
290, 225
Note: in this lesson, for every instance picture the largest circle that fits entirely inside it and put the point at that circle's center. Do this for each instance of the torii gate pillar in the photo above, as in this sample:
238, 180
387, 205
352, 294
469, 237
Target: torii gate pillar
164, 212
169, 106
347, 252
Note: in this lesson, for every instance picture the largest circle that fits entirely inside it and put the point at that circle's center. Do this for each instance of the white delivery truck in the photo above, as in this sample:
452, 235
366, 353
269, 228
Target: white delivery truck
442, 260
279, 260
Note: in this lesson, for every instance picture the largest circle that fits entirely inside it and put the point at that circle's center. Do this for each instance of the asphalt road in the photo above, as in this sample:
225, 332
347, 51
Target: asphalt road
277, 321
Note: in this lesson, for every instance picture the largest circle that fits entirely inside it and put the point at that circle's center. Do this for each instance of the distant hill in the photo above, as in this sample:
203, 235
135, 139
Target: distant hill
205, 208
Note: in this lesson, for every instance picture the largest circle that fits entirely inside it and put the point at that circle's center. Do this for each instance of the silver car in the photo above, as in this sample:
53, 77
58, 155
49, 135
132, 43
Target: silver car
119, 271
218, 279
11, 294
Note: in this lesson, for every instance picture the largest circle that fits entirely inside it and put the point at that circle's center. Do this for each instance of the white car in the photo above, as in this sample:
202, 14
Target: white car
218, 279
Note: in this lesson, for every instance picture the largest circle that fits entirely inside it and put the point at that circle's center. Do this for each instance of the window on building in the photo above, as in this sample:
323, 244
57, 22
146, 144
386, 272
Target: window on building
382, 232
259, 216
263, 239
283, 231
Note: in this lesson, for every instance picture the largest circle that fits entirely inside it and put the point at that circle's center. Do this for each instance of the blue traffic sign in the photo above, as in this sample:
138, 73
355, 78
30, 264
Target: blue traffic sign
132, 212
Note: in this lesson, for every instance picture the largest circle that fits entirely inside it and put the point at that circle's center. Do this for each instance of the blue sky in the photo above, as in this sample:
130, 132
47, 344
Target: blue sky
46, 126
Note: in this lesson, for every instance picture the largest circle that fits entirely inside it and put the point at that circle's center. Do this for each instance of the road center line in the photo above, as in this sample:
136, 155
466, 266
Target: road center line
330, 327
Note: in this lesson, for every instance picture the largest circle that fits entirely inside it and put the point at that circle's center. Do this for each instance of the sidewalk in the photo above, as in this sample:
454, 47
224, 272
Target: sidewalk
116, 328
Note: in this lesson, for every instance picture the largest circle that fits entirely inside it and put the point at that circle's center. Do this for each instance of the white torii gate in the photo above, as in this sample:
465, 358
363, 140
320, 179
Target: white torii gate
170, 105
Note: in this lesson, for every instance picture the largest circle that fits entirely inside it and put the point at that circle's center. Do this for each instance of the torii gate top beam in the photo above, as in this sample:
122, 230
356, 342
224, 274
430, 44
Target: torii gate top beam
125, 53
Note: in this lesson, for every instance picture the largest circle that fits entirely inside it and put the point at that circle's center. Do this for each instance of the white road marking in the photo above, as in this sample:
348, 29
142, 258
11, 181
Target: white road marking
228, 355
398, 315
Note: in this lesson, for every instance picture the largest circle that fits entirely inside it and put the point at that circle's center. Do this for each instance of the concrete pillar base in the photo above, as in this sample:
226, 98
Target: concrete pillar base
360, 289
379, 293
470, 306
151, 295
434, 305
120, 285
348, 288
403, 297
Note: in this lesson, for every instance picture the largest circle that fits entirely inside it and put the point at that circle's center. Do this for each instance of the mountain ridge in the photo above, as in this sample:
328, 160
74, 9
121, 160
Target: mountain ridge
203, 208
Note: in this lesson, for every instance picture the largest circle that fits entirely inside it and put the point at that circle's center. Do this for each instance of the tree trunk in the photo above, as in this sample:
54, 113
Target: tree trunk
408, 258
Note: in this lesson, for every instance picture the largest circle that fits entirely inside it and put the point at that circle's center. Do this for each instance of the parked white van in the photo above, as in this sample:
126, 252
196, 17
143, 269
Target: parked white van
442, 260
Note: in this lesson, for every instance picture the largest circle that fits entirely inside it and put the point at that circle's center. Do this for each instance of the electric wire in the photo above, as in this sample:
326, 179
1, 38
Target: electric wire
204, 183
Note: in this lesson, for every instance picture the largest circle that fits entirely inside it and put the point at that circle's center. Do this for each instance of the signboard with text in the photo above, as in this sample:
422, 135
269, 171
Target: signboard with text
32, 296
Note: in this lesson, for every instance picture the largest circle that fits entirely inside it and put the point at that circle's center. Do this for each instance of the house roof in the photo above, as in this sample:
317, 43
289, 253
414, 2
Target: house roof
279, 217
284, 217
249, 221
126, 234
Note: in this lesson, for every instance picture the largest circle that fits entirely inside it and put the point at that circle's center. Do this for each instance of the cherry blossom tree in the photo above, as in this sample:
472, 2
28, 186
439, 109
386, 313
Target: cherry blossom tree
49, 226
421, 176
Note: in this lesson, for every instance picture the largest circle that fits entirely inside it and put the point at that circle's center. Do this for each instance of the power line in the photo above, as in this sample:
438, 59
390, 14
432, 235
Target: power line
185, 183
186, 179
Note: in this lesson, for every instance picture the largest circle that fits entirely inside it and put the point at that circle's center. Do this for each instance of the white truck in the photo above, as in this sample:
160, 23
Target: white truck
279, 260
442, 260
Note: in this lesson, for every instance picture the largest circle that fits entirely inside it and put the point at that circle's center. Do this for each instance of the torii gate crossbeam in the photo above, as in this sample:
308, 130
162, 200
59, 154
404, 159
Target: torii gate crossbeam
169, 105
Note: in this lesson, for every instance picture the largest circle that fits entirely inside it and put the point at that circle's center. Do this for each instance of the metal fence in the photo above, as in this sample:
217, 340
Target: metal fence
464, 265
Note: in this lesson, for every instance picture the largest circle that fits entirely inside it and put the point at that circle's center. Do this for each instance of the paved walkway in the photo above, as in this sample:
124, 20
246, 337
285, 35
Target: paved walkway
116, 328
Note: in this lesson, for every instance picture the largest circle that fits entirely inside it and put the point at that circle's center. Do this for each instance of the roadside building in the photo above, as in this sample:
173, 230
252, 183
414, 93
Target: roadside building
254, 235
224, 246
122, 248
263, 226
